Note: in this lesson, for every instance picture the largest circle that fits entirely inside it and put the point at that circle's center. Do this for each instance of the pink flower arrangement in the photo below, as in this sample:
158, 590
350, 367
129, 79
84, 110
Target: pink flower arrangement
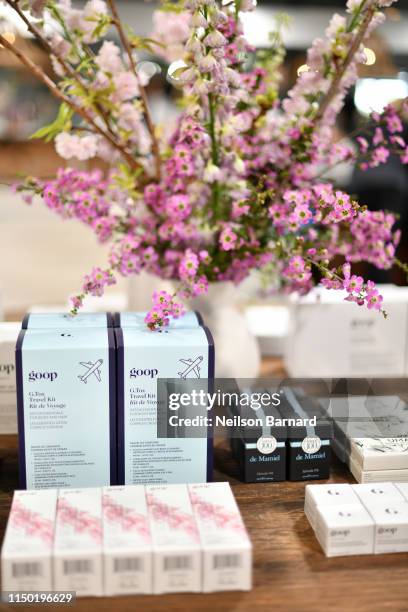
238, 183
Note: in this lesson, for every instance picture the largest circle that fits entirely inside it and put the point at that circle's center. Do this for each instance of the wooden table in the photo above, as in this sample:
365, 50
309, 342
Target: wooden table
290, 570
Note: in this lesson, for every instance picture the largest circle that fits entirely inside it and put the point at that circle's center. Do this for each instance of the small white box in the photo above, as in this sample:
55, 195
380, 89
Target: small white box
403, 488
380, 453
376, 476
26, 555
8, 402
78, 542
333, 495
127, 548
377, 493
330, 337
227, 549
175, 538
346, 530
391, 525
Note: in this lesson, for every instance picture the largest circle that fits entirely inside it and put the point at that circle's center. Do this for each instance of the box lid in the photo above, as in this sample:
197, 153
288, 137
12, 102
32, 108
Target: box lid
64, 320
191, 318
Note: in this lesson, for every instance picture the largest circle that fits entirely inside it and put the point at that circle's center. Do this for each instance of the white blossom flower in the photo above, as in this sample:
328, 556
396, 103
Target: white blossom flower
215, 39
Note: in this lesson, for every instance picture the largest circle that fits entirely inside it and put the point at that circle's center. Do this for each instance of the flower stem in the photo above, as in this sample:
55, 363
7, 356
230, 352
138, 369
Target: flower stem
214, 147
356, 17
358, 39
149, 121
79, 110
67, 68
215, 188
401, 265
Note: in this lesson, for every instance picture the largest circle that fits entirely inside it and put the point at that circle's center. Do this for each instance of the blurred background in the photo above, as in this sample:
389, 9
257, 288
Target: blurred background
42, 260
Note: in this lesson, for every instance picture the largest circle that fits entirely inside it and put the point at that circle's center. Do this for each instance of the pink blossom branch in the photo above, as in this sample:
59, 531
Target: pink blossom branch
358, 39
149, 121
79, 110
67, 68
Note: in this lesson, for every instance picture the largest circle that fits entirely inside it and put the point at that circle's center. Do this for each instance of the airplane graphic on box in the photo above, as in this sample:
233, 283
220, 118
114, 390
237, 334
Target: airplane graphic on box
92, 369
192, 366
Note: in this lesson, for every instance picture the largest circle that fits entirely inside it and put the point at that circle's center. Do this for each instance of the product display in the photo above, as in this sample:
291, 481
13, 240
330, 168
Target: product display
64, 320
243, 173
26, 554
143, 357
227, 549
371, 436
358, 519
389, 509
66, 378
328, 339
308, 446
127, 540
137, 319
127, 548
344, 530
332, 495
8, 402
78, 542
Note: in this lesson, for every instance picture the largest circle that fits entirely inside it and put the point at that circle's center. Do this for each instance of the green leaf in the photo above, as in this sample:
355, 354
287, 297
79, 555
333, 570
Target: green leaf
176, 6
127, 178
62, 122
140, 42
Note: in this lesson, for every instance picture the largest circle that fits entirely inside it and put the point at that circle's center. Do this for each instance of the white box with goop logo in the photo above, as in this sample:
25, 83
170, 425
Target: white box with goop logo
331, 495
378, 493
391, 525
345, 530
66, 407
144, 357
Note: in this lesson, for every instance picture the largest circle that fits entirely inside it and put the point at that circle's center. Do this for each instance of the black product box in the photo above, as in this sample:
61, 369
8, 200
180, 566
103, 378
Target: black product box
308, 444
260, 448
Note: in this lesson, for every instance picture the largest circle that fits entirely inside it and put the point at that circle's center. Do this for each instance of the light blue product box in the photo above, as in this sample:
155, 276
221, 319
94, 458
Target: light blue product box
192, 318
143, 357
66, 407
65, 320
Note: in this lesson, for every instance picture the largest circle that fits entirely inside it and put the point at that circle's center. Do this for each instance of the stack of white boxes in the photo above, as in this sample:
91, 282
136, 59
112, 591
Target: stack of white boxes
371, 436
359, 519
329, 337
127, 540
